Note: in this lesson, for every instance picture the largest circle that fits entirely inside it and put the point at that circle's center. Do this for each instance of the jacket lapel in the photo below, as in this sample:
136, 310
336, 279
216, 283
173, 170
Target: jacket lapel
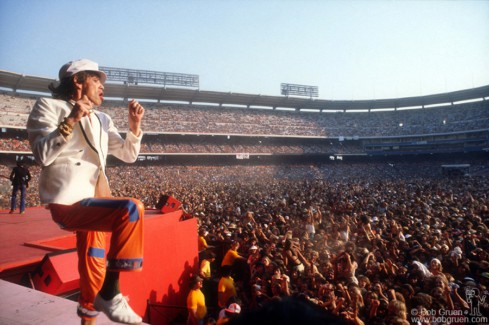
92, 133
91, 130
88, 132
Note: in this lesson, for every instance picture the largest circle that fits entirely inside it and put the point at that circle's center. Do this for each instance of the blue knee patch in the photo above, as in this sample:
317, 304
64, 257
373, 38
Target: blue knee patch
96, 252
131, 207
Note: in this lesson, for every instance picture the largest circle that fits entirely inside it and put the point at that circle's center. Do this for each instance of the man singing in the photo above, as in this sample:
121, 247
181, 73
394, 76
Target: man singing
70, 138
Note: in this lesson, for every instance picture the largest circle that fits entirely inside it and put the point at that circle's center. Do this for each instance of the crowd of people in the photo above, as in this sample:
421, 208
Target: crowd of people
368, 242
346, 133
181, 118
371, 251
153, 144
354, 229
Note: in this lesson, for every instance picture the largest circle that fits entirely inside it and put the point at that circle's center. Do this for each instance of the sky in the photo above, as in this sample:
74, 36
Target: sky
350, 50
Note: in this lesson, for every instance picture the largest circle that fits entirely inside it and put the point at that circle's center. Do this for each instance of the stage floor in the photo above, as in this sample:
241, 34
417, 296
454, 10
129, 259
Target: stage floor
24, 306
19, 234
24, 241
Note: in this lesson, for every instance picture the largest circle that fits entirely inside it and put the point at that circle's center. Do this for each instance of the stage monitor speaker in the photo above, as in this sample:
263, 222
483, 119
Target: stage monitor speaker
168, 204
57, 273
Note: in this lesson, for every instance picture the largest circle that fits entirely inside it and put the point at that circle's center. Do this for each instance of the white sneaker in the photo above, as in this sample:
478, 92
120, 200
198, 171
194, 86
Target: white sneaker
117, 309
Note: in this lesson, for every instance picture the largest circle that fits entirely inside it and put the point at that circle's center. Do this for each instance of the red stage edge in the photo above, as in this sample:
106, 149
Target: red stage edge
170, 258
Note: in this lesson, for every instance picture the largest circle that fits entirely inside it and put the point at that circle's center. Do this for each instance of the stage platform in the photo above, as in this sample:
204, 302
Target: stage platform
26, 239
18, 230
20, 305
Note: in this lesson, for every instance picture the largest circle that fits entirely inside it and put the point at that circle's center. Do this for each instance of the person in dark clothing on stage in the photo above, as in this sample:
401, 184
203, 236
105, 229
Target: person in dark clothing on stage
20, 178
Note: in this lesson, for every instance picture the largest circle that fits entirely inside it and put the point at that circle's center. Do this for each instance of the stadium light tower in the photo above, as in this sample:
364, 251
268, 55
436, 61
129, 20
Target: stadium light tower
131, 76
299, 90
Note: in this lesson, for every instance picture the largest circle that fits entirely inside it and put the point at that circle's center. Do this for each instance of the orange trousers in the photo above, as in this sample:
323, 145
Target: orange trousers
92, 219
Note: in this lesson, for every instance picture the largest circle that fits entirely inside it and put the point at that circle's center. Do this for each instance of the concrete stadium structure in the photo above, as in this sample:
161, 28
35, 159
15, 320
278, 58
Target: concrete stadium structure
354, 129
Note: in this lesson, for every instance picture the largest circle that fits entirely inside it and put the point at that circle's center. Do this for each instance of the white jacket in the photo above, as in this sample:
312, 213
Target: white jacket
74, 168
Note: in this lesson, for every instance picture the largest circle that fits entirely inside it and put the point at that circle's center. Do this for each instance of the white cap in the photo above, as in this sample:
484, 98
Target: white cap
73, 67
233, 308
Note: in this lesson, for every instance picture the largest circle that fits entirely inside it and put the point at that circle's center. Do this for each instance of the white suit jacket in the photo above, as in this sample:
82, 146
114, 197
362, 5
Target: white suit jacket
74, 168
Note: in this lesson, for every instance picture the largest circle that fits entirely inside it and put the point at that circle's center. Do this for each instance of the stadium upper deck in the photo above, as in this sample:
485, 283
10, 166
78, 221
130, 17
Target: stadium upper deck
440, 113
21, 83
451, 122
